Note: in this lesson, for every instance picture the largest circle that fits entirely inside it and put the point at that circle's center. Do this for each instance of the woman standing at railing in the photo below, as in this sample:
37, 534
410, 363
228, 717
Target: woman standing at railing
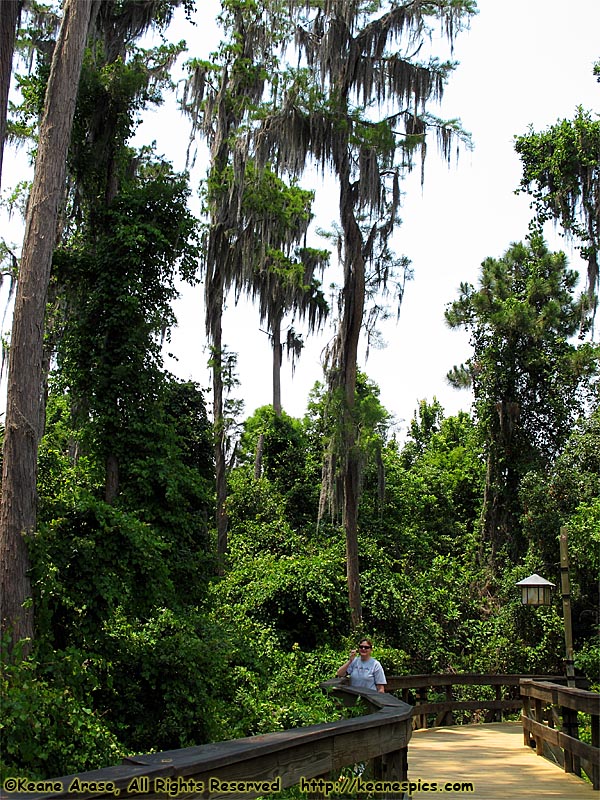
365, 671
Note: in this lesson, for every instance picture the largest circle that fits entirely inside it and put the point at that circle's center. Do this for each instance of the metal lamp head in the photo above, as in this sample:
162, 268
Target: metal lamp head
535, 591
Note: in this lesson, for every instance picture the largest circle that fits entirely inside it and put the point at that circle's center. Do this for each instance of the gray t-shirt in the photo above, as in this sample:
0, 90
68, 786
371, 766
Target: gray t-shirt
366, 674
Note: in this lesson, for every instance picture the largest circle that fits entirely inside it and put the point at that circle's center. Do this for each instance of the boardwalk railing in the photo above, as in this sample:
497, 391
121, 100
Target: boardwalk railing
503, 690
313, 756
256, 765
551, 724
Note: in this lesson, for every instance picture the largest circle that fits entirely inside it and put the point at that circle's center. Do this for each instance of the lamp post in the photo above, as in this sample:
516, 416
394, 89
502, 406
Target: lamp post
535, 591
566, 598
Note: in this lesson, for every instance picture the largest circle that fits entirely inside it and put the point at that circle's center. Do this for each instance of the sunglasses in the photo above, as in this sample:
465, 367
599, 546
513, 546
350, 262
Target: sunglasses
364, 646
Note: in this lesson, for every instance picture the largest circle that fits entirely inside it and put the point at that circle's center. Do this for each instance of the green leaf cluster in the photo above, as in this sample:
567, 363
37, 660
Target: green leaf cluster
47, 729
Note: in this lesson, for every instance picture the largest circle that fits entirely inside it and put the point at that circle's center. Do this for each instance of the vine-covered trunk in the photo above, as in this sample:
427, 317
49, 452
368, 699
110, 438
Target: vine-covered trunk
346, 369
24, 399
111, 479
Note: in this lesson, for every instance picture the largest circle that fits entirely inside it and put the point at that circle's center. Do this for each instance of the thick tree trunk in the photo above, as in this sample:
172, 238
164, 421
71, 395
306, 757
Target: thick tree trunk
9, 17
24, 401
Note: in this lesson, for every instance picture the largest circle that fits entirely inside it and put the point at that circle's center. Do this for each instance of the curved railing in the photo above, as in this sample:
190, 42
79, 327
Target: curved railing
313, 756
551, 725
257, 765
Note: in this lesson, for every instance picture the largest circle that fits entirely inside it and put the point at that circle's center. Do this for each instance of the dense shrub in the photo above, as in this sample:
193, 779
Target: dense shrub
46, 730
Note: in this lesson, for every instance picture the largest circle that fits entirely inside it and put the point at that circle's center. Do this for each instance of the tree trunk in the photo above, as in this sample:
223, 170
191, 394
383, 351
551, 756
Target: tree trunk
9, 17
260, 446
214, 301
111, 479
353, 310
277, 361
24, 400
499, 522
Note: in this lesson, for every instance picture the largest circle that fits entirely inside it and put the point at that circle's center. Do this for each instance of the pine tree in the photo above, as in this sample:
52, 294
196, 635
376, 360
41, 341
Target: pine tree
528, 379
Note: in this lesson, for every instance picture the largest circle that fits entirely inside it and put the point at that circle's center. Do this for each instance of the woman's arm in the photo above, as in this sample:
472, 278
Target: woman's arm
344, 668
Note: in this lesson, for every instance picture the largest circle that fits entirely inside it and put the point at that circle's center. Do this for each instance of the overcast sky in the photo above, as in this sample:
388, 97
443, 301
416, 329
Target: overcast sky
523, 62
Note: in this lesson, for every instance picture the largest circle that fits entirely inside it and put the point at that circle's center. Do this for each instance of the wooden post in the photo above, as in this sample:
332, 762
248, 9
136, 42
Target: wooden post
394, 767
498, 711
595, 776
422, 695
526, 713
539, 742
570, 727
316, 795
449, 716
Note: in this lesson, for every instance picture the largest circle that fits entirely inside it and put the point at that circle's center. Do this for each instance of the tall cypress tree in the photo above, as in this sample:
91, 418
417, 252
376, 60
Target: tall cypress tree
360, 64
222, 97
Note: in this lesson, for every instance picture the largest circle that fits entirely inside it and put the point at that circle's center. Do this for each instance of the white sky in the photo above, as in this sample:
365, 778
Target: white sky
523, 62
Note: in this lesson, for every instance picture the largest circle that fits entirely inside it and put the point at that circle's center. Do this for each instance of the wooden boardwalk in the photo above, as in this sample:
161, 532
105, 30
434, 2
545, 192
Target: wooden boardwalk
494, 759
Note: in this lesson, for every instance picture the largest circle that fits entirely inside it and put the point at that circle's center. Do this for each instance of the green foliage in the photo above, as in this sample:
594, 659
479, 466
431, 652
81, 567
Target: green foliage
510, 637
91, 558
370, 421
587, 659
569, 495
46, 728
427, 613
300, 595
561, 170
119, 301
91, 561
423, 425
63, 471
111, 96
530, 381
139, 646
167, 664
161, 677
267, 687
521, 319
432, 489
284, 463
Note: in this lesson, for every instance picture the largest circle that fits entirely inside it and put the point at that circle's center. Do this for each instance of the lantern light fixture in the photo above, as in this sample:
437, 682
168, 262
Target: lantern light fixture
535, 591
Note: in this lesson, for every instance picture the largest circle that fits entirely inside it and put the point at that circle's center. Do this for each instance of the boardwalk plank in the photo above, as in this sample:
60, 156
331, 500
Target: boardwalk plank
494, 759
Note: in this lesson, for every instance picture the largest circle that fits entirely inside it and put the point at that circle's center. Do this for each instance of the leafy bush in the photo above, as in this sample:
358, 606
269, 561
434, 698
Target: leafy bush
162, 674
87, 563
46, 730
301, 596
587, 659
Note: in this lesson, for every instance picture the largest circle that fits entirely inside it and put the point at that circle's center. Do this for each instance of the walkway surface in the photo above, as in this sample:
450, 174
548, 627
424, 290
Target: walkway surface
491, 757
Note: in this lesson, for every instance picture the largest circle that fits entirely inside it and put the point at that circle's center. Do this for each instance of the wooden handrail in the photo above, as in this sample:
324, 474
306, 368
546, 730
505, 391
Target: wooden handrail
395, 682
256, 765
550, 724
427, 713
